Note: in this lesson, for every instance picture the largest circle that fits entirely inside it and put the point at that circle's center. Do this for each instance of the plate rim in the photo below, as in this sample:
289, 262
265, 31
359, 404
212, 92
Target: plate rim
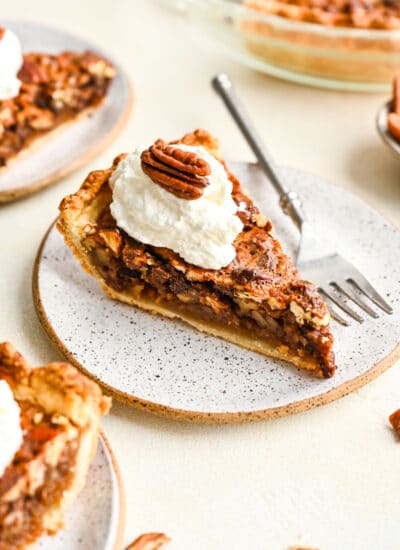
116, 542
200, 417
17, 193
119, 535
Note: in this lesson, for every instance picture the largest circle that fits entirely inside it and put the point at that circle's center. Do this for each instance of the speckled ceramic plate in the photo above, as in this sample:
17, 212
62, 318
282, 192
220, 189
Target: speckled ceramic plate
96, 520
168, 367
74, 144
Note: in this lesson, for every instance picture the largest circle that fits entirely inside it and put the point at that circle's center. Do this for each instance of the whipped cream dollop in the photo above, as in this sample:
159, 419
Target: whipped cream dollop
201, 231
11, 435
10, 63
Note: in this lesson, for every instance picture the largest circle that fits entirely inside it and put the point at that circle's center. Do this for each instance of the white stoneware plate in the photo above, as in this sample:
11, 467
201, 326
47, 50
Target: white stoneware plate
169, 368
96, 519
71, 145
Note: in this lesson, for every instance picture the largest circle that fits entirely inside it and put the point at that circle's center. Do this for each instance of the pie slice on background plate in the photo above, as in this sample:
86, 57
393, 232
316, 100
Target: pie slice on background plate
59, 411
40, 93
257, 300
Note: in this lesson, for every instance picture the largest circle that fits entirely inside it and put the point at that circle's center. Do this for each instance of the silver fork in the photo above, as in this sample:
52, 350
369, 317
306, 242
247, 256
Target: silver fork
336, 278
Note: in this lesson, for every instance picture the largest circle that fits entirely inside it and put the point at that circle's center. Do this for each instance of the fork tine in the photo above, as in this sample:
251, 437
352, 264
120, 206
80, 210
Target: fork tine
348, 290
366, 288
334, 314
336, 299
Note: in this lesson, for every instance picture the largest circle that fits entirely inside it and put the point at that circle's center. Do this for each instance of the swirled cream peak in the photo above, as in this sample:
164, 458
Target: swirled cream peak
10, 63
201, 231
10, 426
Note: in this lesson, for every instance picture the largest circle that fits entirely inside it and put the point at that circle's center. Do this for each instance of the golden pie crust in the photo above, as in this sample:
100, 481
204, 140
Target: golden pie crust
60, 413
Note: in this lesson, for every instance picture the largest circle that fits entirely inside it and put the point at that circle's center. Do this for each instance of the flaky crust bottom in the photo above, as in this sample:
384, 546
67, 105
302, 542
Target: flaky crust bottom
241, 337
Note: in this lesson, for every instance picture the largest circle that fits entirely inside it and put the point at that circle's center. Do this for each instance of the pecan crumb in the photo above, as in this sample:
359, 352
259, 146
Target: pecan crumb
262, 221
37, 417
182, 173
149, 541
394, 419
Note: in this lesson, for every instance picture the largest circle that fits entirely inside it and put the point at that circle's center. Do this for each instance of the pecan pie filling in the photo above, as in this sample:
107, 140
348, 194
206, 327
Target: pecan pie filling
54, 90
377, 14
40, 473
259, 292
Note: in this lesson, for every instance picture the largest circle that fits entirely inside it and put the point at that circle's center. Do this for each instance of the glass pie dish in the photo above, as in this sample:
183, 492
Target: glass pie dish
346, 58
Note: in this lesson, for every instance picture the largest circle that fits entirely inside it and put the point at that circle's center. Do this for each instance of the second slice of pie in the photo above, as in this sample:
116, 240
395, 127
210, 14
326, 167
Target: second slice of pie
170, 229
41, 93
49, 429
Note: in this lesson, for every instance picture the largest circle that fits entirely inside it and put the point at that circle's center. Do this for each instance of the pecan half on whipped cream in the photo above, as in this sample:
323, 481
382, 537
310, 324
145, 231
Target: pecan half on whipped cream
182, 173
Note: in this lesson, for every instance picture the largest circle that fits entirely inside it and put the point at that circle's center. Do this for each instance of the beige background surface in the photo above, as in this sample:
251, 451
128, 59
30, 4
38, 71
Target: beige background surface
329, 477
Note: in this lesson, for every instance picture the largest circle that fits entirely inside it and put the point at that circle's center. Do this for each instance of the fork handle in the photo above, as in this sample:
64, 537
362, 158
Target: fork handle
289, 200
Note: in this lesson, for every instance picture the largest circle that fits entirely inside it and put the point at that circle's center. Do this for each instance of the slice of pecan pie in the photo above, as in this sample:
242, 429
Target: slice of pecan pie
54, 90
256, 300
59, 415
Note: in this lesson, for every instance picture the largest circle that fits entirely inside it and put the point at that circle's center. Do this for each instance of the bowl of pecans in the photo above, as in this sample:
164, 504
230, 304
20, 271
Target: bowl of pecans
388, 120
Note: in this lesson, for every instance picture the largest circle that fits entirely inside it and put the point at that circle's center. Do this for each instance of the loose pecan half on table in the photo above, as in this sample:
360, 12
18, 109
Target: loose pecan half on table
149, 541
394, 419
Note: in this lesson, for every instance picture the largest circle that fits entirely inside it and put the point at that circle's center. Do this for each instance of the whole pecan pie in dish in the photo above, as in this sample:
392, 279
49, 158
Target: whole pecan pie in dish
170, 229
49, 428
41, 92
342, 40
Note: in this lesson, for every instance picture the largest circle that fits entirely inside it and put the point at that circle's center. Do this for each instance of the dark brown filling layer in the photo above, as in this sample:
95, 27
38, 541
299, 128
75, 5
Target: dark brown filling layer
21, 519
